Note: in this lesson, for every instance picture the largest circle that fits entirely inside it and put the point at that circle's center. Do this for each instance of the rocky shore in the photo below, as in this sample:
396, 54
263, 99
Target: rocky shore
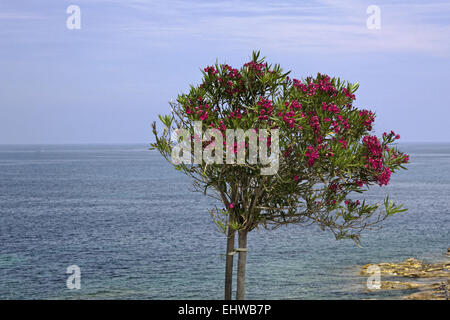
424, 281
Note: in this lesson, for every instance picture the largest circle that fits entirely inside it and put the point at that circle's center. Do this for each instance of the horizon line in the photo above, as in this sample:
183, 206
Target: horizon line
141, 143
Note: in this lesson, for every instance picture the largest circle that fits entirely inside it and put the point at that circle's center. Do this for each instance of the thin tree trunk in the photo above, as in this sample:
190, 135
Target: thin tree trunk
240, 292
229, 264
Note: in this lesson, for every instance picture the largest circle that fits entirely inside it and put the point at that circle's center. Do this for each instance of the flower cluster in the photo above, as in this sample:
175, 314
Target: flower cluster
384, 177
288, 118
375, 159
201, 110
391, 134
265, 109
325, 85
314, 123
344, 122
238, 113
330, 107
309, 89
375, 149
335, 126
321, 84
231, 72
210, 70
229, 79
350, 203
294, 105
343, 143
368, 118
312, 155
348, 94
257, 67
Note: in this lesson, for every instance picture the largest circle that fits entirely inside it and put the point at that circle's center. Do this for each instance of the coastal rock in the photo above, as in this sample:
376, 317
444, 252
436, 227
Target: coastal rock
438, 291
399, 285
412, 268
433, 280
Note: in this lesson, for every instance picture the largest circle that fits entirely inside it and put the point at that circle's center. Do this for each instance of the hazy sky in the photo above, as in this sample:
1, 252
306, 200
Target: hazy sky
106, 82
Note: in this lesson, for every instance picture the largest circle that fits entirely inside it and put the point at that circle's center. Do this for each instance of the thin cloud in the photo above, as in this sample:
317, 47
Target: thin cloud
18, 16
325, 24
315, 26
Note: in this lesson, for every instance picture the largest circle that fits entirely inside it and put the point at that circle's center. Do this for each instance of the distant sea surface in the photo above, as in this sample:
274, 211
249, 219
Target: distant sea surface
132, 225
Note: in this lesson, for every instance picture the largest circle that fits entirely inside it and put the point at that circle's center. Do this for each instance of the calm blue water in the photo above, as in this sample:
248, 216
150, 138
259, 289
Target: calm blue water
129, 221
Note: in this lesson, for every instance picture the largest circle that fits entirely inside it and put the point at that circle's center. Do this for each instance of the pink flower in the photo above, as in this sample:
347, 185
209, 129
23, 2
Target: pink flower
348, 94
231, 205
383, 179
266, 108
204, 116
333, 108
343, 143
368, 117
295, 178
210, 69
312, 155
314, 123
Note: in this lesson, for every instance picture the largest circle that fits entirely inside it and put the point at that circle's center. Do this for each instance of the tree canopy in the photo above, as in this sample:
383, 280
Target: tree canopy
323, 151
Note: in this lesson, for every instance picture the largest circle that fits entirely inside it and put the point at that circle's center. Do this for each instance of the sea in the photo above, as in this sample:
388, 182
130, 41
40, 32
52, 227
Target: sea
134, 229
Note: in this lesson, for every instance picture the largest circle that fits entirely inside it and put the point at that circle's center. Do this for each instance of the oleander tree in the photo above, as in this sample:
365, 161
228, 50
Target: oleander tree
325, 151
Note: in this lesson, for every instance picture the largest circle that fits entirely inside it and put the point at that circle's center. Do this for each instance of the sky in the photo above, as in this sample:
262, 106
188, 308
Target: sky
107, 81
